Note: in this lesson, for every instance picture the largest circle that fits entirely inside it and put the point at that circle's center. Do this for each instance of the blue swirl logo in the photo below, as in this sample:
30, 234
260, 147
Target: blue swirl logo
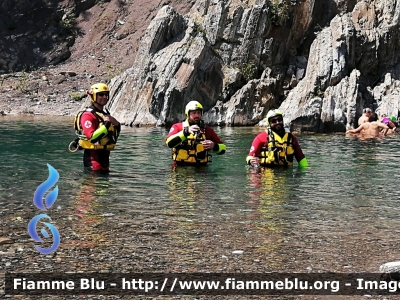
45, 205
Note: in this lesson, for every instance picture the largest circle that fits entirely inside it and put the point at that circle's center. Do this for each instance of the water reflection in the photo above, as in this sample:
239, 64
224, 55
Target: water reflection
268, 194
341, 211
89, 211
188, 184
189, 210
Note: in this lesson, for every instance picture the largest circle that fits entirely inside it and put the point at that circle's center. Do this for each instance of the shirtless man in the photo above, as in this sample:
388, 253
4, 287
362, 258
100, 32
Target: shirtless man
367, 112
370, 129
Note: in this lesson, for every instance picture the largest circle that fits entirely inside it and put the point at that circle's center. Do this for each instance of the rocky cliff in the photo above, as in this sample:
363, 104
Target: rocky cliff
320, 61
52, 51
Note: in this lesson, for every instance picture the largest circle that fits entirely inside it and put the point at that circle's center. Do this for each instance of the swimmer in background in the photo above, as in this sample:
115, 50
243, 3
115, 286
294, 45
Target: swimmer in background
370, 129
390, 122
367, 113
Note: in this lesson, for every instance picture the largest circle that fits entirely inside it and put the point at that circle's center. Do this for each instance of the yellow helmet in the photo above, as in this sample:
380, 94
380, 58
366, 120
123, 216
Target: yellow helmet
97, 88
193, 105
273, 113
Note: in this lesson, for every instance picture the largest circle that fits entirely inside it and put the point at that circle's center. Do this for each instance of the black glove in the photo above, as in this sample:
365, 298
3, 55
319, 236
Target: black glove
186, 132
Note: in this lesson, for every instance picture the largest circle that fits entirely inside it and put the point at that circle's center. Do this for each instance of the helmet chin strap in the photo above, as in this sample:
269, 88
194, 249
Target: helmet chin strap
95, 102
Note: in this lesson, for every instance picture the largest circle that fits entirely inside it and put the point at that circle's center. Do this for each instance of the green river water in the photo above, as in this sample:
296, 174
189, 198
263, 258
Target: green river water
341, 214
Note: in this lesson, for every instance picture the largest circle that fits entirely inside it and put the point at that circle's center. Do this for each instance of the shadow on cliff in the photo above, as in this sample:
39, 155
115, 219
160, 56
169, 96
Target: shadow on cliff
323, 13
37, 33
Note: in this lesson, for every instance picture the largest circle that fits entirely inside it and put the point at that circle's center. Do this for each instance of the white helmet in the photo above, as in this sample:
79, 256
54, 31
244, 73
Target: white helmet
273, 113
193, 105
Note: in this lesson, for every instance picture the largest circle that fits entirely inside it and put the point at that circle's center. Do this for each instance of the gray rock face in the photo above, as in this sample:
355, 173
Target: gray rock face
344, 62
240, 59
213, 55
174, 63
320, 101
